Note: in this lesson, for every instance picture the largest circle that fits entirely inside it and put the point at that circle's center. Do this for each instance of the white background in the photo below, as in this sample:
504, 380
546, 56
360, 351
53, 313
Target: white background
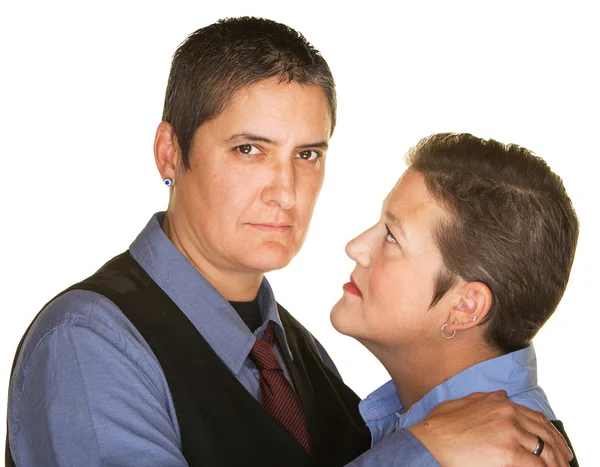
81, 89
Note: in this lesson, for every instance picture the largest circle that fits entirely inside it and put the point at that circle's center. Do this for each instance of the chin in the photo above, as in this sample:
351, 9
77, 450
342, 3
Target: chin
339, 318
347, 317
270, 258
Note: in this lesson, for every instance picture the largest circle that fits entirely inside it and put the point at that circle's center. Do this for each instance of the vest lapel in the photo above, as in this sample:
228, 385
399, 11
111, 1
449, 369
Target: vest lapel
331, 408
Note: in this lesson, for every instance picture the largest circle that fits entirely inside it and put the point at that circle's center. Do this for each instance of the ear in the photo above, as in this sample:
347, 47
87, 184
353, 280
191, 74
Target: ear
166, 151
472, 304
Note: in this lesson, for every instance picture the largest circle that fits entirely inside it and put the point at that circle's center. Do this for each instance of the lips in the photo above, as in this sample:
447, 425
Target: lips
352, 288
272, 228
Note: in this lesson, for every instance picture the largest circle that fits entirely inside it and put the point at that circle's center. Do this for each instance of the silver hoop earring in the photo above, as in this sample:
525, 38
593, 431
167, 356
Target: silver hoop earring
168, 182
444, 335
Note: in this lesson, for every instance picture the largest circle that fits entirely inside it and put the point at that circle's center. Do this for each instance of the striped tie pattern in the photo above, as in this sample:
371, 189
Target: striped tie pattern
276, 393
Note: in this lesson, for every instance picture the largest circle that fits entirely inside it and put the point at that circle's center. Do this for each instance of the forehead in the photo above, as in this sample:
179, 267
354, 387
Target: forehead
413, 206
271, 105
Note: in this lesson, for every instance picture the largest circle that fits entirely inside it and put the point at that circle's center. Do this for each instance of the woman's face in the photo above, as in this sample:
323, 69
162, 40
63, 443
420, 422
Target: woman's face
256, 171
387, 302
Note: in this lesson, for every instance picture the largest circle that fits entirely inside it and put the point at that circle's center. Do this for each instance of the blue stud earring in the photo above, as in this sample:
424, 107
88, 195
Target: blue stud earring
168, 182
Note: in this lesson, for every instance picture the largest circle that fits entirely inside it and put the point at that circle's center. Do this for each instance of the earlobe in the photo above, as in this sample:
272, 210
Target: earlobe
166, 151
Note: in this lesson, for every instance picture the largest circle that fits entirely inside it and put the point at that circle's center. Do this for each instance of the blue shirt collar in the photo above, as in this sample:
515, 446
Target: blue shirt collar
204, 306
514, 372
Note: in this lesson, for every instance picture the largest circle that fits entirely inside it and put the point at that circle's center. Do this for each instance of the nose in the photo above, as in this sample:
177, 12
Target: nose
281, 189
359, 248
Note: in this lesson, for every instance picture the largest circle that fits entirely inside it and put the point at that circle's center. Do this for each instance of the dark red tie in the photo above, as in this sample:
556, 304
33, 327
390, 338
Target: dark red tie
276, 393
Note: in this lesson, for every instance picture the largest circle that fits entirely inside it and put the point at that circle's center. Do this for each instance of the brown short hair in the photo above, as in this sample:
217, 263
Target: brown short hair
216, 61
513, 227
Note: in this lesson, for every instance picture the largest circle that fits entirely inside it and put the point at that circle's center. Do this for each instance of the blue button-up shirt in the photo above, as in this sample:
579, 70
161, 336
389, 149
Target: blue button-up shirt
63, 412
515, 372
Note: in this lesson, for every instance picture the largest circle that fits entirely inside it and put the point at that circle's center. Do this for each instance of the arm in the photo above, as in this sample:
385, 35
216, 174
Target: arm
86, 394
400, 448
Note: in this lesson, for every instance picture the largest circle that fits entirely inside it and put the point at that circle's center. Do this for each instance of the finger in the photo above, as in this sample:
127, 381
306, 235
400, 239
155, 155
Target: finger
553, 449
529, 443
526, 459
550, 457
536, 423
555, 440
553, 454
500, 393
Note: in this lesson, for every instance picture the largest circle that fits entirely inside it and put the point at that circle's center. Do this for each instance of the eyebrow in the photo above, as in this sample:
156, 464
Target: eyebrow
397, 222
262, 139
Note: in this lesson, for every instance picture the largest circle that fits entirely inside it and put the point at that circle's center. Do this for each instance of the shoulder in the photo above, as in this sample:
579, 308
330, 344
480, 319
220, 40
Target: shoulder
79, 309
86, 372
84, 324
534, 398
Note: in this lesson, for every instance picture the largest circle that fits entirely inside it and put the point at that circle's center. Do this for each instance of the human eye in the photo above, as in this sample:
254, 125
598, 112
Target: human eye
309, 155
247, 150
389, 236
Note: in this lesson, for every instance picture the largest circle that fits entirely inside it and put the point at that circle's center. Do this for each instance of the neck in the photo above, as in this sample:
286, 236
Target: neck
416, 371
235, 286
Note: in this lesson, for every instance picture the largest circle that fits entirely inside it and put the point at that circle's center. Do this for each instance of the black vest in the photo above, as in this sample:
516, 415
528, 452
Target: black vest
220, 423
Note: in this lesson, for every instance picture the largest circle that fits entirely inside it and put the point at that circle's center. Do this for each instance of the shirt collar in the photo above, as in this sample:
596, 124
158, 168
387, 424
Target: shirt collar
210, 313
514, 372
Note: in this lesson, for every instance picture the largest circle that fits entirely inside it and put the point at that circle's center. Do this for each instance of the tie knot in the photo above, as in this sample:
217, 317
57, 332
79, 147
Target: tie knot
262, 353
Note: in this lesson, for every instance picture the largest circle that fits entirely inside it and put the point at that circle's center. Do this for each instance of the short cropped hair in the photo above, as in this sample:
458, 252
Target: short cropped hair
217, 61
512, 227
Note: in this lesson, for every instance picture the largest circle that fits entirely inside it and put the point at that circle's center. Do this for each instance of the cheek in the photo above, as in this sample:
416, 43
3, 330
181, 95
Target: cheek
399, 288
229, 191
308, 187
385, 288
